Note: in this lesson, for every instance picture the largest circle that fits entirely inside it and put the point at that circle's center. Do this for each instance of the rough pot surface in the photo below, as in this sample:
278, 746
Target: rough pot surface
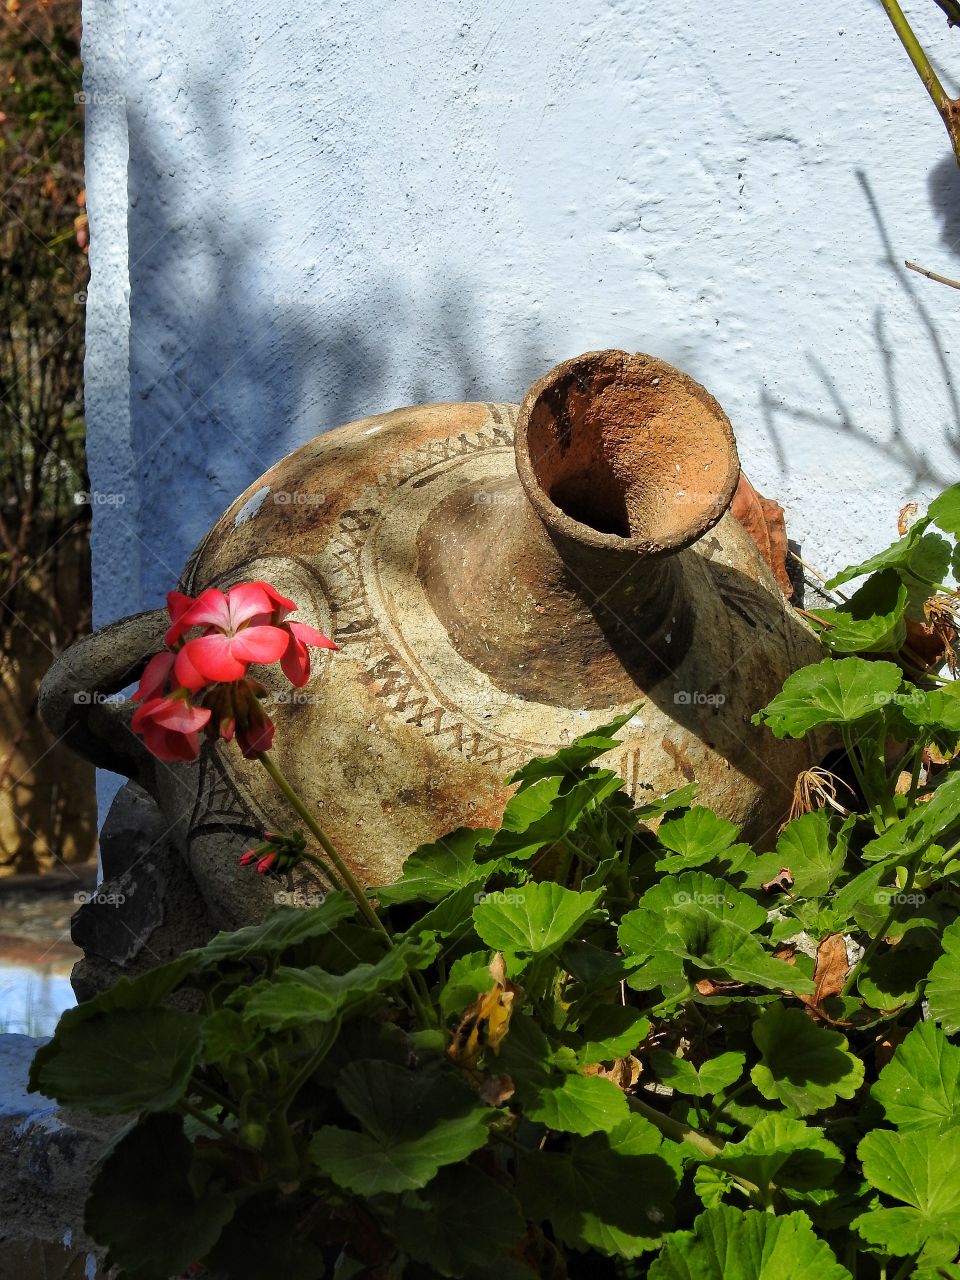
490, 604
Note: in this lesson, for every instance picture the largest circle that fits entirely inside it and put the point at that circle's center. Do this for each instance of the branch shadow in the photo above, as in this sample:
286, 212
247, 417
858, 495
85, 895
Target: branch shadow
897, 444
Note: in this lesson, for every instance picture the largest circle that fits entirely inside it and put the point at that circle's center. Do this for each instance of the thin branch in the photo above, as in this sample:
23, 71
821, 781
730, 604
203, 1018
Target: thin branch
932, 275
948, 107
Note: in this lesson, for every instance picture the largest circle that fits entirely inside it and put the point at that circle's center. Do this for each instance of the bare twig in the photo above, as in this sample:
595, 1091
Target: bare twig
932, 275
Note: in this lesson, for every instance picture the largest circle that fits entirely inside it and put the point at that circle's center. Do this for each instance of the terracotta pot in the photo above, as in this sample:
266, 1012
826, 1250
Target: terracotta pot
498, 581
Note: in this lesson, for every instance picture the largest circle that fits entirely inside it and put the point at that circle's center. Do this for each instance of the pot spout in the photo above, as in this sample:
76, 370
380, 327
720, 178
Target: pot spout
625, 454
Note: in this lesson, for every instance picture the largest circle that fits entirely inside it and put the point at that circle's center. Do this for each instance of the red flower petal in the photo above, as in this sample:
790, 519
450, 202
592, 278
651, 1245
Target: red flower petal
154, 678
259, 644
310, 635
177, 715
211, 658
166, 745
184, 671
245, 601
177, 604
210, 609
170, 728
280, 604
295, 663
256, 738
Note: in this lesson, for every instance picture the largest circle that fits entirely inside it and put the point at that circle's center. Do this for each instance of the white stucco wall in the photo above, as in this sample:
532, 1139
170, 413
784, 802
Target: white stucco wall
336, 209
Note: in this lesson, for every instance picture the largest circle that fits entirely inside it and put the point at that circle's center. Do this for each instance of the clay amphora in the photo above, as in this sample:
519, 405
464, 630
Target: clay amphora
498, 580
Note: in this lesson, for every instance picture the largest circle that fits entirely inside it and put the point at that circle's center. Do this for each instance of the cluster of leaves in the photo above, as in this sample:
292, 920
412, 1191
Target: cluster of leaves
606, 1039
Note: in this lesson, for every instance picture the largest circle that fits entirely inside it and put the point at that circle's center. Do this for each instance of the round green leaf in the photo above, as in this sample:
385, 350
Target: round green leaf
833, 692
803, 1065
728, 1244
922, 1171
919, 1088
128, 1060
533, 918
412, 1123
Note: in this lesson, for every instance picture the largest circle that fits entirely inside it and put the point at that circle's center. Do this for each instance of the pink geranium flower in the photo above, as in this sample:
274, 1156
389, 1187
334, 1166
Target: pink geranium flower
171, 727
201, 682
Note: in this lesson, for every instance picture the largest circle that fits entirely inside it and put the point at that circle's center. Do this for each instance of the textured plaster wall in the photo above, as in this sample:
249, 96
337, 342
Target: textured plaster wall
336, 209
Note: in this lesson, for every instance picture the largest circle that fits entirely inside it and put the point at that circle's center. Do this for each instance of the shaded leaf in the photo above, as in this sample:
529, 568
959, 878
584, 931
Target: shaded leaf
729, 1244
943, 984
180, 1226
297, 997
783, 1151
468, 978
412, 1124
464, 1224
612, 1192
713, 1076
803, 1065
871, 621
129, 1060
610, 1032
283, 928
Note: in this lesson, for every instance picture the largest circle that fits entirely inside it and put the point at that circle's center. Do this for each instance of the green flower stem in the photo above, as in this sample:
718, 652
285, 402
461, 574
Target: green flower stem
676, 1129
719, 1107
423, 1010
905, 1268
213, 1095
322, 866
221, 1130
912, 868
855, 764
346, 875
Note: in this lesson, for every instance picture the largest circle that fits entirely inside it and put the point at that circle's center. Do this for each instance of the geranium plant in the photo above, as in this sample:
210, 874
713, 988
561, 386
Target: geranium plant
605, 1039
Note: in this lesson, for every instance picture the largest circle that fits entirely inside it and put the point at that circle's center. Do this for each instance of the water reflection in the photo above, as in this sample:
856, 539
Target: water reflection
33, 996
36, 954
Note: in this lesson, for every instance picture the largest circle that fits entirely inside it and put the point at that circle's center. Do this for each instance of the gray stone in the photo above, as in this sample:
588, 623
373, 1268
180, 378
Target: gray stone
134, 828
147, 911
47, 1156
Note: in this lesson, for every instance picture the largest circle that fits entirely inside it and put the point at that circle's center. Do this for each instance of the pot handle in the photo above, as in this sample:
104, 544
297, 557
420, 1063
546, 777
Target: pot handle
75, 695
